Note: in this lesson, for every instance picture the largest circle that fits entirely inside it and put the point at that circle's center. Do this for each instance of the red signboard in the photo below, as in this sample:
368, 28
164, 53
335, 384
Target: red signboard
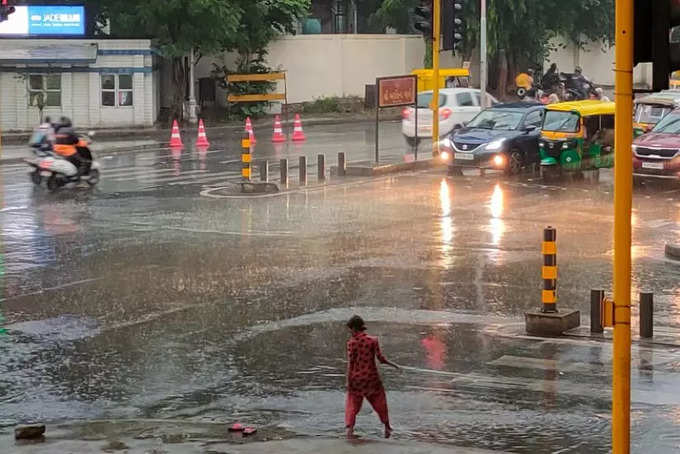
397, 91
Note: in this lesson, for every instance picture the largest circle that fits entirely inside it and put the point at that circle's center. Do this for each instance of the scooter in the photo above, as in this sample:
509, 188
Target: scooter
60, 172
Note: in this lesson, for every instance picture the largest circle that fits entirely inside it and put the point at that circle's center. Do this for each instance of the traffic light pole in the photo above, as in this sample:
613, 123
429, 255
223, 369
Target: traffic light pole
482, 54
623, 200
436, 34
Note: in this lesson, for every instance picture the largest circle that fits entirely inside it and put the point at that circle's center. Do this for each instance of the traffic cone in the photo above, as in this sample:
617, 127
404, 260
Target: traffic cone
279, 136
175, 137
202, 140
249, 130
298, 134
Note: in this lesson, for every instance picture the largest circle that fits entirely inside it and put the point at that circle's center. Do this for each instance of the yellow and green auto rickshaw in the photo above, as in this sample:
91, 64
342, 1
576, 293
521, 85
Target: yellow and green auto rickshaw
649, 110
577, 135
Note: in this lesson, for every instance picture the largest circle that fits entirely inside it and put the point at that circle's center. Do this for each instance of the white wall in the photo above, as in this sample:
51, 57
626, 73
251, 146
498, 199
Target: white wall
335, 65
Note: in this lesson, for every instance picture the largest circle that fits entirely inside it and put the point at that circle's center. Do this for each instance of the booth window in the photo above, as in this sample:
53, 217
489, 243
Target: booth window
45, 89
117, 90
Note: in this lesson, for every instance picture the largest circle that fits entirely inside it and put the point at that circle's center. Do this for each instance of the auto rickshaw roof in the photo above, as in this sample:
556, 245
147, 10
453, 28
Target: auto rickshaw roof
586, 108
668, 98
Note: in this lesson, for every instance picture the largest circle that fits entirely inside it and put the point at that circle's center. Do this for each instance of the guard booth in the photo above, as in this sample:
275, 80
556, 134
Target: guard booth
448, 78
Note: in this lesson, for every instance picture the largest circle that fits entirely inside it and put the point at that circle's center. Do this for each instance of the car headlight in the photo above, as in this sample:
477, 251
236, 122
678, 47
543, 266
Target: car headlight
495, 145
499, 160
633, 147
446, 143
565, 145
541, 144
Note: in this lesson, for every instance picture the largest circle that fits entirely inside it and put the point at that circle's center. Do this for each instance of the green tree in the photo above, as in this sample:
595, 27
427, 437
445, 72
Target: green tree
208, 26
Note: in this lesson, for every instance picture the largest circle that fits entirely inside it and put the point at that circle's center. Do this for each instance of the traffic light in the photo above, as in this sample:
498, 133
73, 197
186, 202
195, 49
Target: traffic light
654, 22
453, 25
424, 19
5, 11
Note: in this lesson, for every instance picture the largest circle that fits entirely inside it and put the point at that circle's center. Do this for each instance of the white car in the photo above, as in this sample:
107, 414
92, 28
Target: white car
456, 106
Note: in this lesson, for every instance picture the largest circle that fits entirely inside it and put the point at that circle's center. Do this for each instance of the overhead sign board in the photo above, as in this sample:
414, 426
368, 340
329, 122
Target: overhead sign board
45, 20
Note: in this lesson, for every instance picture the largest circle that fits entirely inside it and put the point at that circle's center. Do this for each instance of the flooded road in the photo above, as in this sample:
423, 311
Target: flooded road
143, 300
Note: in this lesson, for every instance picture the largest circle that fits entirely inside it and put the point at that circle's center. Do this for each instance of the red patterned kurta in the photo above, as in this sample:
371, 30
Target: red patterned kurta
362, 375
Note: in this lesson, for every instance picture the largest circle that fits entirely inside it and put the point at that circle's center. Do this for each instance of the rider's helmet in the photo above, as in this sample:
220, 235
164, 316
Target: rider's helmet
65, 122
578, 70
530, 72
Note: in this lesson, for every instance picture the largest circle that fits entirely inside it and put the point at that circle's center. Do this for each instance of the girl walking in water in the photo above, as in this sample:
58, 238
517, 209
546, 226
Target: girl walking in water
363, 380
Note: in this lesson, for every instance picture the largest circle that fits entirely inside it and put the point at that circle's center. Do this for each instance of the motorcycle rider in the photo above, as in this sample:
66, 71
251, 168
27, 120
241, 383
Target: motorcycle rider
551, 78
66, 142
525, 80
581, 83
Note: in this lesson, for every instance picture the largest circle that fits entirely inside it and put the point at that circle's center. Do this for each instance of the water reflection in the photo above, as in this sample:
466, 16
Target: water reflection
435, 348
446, 224
176, 157
496, 224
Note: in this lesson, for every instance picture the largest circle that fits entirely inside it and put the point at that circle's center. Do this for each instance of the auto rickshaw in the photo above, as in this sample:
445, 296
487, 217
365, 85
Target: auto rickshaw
577, 135
649, 110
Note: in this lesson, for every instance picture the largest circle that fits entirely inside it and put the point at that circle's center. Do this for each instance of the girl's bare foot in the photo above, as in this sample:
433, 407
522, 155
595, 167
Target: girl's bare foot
350, 434
388, 431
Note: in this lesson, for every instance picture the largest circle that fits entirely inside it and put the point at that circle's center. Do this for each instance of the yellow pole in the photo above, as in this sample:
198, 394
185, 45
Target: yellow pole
436, 25
623, 201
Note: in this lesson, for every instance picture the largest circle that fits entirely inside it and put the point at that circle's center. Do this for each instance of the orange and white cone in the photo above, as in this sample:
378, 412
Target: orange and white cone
279, 136
202, 140
249, 130
175, 137
298, 133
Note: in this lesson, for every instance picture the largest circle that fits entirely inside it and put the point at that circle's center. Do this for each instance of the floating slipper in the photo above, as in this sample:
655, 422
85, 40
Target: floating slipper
249, 431
238, 427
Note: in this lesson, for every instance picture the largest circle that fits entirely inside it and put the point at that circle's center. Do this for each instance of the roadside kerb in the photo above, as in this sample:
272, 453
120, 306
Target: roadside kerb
20, 138
366, 169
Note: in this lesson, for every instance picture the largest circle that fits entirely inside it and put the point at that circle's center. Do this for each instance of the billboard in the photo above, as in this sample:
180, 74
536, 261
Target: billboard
50, 20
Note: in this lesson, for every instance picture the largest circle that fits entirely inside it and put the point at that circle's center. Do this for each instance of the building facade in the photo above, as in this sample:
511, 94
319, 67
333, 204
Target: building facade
98, 83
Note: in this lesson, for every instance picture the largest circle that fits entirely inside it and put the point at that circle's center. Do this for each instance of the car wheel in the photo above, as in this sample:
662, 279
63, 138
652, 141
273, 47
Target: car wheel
412, 141
53, 183
36, 178
515, 163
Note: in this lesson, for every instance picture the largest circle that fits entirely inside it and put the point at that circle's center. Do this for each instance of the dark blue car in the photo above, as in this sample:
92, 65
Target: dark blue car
502, 137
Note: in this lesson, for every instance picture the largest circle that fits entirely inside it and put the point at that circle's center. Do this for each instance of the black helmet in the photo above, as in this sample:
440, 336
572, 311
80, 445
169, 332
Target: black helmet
578, 70
65, 122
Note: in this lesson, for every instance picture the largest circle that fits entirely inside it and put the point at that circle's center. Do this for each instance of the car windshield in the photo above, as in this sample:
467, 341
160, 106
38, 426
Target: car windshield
425, 99
561, 121
670, 124
650, 113
497, 119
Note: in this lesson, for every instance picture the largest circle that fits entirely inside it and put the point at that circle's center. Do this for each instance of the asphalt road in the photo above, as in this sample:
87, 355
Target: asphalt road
145, 300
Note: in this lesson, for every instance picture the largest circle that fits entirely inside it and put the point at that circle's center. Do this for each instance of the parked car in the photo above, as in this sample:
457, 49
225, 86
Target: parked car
657, 153
503, 137
456, 106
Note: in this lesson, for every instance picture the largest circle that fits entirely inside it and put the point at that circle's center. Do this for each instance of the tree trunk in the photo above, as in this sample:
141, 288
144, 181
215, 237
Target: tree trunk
178, 88
502, 73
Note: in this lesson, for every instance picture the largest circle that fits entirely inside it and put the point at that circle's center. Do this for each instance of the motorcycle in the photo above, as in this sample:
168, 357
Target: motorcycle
58, 171
576, 87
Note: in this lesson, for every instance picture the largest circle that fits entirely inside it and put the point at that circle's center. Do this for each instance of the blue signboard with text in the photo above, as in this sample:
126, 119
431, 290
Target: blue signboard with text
45, 20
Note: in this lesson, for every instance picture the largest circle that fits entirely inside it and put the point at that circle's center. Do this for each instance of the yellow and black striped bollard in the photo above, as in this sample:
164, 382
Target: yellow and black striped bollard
246, 157
549, 270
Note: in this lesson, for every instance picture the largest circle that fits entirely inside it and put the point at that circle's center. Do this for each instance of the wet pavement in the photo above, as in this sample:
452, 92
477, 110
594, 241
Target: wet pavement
144, 301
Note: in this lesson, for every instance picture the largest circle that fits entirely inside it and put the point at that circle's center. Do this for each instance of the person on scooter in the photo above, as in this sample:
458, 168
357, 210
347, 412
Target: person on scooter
525, 80
551, 78
65, 144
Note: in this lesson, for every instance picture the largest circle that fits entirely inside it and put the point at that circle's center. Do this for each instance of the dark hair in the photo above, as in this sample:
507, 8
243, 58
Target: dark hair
356, 323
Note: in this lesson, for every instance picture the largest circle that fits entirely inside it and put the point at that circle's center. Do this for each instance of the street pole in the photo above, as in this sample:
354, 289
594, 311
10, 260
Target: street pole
436, 27
623, 201
482, 55
192, 89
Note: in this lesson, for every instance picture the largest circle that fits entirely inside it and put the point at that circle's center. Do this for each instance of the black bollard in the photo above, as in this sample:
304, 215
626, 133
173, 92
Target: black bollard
303, 171
264, 171
342, 166
646, 315
596, 297
284, 172
320, 167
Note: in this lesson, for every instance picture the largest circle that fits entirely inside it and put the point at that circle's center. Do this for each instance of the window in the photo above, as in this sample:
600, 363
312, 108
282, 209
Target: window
116, 90
44, 89
464, 99
425, 99
534, 118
